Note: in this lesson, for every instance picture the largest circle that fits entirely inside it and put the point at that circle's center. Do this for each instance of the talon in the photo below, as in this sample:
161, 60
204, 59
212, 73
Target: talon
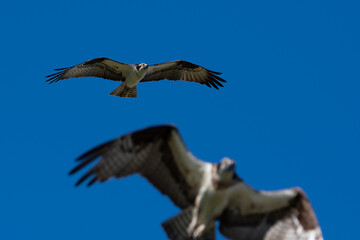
198, 231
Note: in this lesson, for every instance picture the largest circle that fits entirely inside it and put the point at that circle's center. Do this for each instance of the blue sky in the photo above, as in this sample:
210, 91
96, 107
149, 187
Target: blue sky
289, 114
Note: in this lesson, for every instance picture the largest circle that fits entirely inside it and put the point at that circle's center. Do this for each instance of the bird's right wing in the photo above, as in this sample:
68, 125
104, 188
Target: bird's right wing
158, 154
99, 67
276, 215
182, 70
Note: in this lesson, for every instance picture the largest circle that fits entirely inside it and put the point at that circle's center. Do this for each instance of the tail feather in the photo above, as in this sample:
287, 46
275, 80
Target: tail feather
125, 91
176, 227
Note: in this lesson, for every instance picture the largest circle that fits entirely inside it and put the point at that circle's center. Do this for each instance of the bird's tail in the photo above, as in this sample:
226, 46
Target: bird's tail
125, 91
176, 227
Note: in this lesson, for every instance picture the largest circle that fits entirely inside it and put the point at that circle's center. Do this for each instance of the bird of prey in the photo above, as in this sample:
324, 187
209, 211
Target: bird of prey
205, 191
131, 74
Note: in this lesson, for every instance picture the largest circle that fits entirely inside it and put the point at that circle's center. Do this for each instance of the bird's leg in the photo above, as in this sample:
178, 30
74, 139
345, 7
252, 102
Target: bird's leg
193, 222
198, 224
199, 230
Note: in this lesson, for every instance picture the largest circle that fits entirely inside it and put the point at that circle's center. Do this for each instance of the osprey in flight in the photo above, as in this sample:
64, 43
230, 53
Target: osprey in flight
132, 74
206, 192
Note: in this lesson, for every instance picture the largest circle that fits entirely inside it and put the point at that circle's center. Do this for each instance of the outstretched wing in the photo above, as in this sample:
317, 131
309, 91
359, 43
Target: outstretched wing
268, 220
99, 67
158, 154
182, 70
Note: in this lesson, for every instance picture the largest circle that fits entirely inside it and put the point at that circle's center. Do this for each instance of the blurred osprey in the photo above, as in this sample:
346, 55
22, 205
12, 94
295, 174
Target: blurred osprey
132, 74
205, 191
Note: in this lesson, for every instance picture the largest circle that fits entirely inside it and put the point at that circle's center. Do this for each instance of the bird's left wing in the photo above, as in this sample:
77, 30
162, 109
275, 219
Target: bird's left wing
277, 215
182, 70
157, 153
98, 67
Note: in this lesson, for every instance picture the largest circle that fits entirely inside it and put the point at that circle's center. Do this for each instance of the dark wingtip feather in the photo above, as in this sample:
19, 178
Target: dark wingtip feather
218, 83
87, 158
95, 151
218, 78
83, 178
207, 84
55, 77
72, 171
52, 74
86, 161
60, 69
213, 84
93, 180
83, 156
218, 73
77, 168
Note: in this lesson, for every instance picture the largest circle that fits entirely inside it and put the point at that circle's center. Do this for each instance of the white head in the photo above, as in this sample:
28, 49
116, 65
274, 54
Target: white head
226, 169
141, 67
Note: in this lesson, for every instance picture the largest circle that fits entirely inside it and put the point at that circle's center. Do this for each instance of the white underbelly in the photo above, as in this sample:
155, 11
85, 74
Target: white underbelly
212, 204
133, 79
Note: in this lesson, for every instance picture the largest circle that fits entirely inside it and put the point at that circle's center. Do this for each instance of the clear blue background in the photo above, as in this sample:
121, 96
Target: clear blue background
289, 114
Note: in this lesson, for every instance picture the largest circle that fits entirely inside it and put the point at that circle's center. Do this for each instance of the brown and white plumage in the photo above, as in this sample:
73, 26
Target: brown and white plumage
156, 153
132, 74
182, 70
206, 192
294, 220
